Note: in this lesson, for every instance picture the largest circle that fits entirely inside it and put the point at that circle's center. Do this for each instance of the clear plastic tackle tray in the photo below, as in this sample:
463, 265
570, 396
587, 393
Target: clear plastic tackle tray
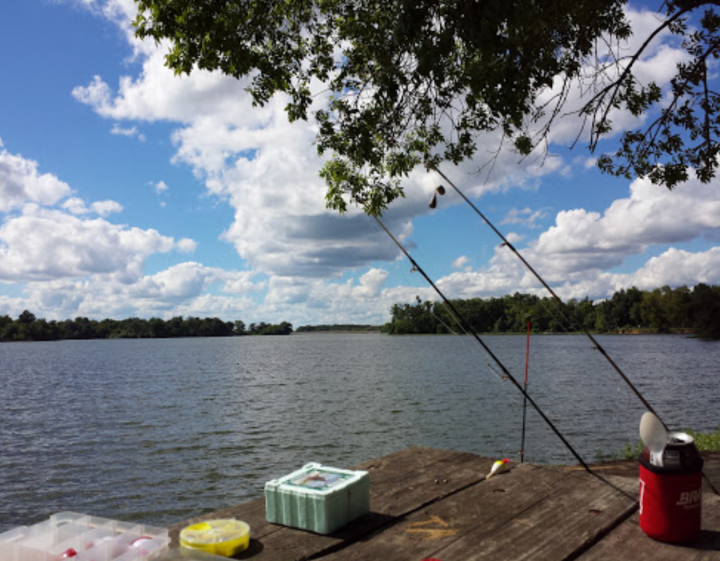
70, 536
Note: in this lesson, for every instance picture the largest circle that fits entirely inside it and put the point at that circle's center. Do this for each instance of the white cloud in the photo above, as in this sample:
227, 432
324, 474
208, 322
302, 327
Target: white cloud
525, 216
590, 163
103, 208
460, 262
46, 244
78, 207
158, 95
224, 307
132, 131
121, 13
20, 183
506, 275
75, 206
161, 187
495, 280
186, 245
652, 215
181, 289
675, 267
321, 301
241, 282
514, 237
182, 281
371, 283
97, 94
186, 289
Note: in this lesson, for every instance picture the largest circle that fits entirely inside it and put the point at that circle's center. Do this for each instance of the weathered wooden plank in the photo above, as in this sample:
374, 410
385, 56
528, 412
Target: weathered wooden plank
401, 487
514, 516
577, 511
628, 541
628, 485
709, 541
400, 483
486, 506
711, 470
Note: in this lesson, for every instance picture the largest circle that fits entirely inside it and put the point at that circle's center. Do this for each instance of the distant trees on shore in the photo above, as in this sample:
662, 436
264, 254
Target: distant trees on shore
662, 310
263, 328
337, 327
27, 327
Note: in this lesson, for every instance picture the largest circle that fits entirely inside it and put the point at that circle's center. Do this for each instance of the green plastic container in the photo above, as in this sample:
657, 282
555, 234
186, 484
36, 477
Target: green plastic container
318, 498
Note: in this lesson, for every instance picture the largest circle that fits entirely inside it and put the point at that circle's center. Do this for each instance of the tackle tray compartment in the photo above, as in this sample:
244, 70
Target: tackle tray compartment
81, 537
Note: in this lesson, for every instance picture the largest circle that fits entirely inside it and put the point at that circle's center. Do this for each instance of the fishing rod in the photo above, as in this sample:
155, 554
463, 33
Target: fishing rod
562, 304
468, 329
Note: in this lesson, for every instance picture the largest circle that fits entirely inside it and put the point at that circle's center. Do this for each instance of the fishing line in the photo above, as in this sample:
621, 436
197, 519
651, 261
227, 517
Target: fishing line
460, 326
499, 376
495, 373
471, 331
432, 313
565, 323
563, 306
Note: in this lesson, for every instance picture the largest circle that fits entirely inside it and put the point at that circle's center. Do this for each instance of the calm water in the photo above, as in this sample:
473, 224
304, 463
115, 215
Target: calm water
161, 430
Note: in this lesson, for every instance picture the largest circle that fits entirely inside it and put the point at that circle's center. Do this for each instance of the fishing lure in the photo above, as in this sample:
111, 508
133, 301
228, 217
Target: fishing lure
499, 467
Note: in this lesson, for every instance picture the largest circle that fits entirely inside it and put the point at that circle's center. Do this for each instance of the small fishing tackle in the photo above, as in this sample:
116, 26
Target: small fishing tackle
499, 467
439, 190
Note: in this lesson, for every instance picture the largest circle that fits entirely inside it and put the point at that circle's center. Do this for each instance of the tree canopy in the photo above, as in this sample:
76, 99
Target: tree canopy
662, 310
394, 84
29, 328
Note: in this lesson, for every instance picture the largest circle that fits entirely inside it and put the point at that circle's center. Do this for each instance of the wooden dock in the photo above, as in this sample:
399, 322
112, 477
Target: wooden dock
428, 503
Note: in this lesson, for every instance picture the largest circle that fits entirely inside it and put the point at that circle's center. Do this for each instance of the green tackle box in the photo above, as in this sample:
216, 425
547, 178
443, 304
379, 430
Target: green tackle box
318, 498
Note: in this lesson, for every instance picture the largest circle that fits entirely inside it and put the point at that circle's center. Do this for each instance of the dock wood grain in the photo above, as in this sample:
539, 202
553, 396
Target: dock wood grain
428, 503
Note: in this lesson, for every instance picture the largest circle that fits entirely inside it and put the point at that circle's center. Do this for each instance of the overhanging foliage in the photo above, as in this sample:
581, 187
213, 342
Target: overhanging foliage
408, 82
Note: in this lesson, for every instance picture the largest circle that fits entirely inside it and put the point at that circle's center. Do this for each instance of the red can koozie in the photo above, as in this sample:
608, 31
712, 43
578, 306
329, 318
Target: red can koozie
671, 494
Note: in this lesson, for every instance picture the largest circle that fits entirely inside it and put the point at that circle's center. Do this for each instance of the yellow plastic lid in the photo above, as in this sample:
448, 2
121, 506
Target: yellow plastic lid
219, 537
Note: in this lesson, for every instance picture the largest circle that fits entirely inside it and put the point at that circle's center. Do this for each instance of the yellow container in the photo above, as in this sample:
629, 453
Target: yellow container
219, 537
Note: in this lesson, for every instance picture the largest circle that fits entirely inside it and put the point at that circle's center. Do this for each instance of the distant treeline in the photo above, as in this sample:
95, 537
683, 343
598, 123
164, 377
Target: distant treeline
337, 327
29, 328
663, 310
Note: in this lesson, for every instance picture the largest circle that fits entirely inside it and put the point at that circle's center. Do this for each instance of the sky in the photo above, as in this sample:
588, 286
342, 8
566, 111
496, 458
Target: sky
126, 191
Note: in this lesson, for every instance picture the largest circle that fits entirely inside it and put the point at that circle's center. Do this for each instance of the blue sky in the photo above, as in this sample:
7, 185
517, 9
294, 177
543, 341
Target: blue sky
126, 191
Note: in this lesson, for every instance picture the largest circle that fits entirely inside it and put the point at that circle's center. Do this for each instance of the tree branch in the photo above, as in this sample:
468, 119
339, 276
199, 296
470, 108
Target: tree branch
615, 86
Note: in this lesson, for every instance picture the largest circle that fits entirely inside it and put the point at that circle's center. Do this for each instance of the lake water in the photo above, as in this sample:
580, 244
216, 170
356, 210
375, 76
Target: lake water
162, 430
